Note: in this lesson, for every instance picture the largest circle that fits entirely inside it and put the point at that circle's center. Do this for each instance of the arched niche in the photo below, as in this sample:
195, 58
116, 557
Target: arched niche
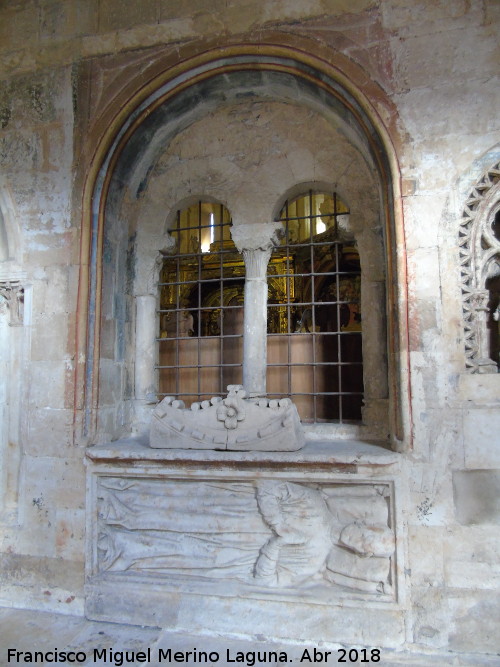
479, 249
143, 173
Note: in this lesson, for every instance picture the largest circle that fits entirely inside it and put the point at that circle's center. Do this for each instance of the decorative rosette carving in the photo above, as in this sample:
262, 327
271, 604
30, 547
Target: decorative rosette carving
231, 410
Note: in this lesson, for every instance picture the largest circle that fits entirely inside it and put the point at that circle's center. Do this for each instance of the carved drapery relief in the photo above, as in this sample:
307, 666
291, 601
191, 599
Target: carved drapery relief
265, 533
12, 298
479, 248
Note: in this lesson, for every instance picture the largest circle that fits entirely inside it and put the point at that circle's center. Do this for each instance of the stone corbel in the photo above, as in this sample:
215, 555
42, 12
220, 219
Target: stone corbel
13, 295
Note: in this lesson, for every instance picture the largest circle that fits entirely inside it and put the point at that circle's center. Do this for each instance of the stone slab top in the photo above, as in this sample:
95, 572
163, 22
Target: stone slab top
316, 452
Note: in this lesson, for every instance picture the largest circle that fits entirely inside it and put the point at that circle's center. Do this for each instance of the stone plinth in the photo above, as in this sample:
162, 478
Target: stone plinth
285, 544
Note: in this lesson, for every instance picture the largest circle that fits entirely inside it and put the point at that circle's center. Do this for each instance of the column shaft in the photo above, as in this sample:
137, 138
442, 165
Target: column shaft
255, 321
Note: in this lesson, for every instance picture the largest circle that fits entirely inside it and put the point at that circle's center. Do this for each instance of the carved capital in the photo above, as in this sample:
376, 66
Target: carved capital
251, 236
13, 297
479, 300
256, 261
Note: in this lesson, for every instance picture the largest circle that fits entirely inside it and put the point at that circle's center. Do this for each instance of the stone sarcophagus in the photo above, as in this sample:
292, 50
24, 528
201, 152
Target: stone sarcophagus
199, 540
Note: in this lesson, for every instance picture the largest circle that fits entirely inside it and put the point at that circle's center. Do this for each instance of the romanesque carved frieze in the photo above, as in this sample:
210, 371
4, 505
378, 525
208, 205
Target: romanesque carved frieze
269, 534
479, 250
12, 298
235, 422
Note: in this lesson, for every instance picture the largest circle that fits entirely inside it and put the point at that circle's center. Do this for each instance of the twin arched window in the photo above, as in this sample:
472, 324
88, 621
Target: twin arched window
314, 338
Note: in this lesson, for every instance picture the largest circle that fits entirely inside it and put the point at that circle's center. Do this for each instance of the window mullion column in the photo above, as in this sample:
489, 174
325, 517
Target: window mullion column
255, 320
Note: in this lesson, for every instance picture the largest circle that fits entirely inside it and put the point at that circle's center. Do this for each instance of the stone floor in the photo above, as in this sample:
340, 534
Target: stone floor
107, 643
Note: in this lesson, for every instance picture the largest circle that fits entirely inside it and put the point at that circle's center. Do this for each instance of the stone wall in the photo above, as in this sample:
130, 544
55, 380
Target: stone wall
430, 71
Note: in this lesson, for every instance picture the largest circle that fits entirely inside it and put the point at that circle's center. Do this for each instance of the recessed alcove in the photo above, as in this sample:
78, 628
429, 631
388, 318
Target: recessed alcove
255, 141
248, 154
374, 527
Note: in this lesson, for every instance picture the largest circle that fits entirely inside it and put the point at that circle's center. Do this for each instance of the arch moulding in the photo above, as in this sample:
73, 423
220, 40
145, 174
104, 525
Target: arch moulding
479, 250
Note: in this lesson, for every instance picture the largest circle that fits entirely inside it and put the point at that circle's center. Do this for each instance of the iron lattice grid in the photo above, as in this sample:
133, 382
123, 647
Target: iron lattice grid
319, 363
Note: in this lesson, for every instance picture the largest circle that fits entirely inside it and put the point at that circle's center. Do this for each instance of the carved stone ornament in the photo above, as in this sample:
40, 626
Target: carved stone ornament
13, 296
479, 249
236, 423
269, 534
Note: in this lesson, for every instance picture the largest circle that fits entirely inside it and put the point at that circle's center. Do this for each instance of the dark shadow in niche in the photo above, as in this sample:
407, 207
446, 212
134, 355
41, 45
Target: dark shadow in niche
495, 226
493, 287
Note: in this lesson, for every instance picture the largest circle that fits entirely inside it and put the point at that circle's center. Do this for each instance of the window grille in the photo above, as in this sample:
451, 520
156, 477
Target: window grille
314, 321
314, 318
201, 307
